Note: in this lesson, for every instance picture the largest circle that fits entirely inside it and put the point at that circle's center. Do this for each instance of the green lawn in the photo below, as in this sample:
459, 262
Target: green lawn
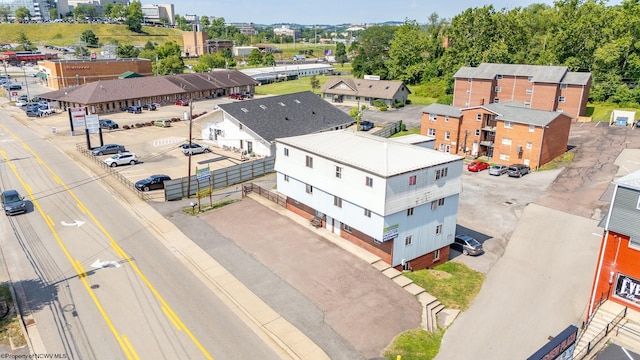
602, 111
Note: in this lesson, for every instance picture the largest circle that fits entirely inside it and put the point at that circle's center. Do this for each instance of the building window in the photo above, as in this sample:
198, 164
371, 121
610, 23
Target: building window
369, 182
527, 104
286, 178
469, 79
408, 240
410, 212
446, 118
309, 161
439, 229
447, 135
436, 255
412, 180
432, 132
638, 204
367, 213
433, 117
286, 151
563, 86
466, 103
529, 91
447, 149
508, 125
440, 173
477, 132
504, 157
526, 162
440, 202
338, 172
347, 228
337, 201
496, 100
559, 110
436, 203
529, 145
239, 126
309, 189
499, 77
468, 92
441, 147
506, 141
530, 79
561, 99
498, 88
478, 117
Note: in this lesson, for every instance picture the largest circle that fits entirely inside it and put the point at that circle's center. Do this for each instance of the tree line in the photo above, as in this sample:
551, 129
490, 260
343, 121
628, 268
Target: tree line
582, 35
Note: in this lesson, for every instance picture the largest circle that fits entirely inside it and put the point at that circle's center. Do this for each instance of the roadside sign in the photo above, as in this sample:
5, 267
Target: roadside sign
14, 93
203, 174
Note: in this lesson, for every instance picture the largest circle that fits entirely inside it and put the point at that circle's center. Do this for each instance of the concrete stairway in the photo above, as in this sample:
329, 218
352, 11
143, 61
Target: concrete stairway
594, 336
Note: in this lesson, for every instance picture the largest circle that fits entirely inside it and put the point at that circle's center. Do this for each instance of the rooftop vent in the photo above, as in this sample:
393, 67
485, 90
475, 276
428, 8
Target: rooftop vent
297, 101
263, 107
286, 118
281, 104
245, 110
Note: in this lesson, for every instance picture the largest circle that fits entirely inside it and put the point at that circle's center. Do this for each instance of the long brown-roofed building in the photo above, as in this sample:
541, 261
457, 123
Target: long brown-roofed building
61, 74
114, 95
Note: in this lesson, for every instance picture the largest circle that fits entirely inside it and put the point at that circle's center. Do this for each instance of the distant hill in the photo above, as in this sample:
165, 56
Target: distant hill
64, 34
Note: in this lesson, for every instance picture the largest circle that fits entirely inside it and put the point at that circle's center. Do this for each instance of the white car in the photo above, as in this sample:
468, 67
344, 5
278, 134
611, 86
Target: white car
121, 159
21, 103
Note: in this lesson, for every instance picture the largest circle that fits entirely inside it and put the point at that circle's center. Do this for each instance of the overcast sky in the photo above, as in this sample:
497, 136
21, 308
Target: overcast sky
336, 11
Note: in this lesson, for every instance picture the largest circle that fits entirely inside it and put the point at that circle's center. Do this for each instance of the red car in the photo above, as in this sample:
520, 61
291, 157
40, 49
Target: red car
182, 103
477, 166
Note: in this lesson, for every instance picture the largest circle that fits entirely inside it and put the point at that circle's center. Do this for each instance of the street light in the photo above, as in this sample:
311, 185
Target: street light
26, 82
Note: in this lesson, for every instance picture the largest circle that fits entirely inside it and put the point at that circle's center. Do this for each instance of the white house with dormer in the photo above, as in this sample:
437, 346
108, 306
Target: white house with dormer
395, 199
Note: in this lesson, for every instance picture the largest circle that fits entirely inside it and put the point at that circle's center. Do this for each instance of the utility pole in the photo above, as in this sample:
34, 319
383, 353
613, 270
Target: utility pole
190, 150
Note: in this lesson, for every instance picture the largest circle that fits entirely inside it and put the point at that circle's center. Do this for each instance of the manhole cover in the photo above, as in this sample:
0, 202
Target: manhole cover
95, 286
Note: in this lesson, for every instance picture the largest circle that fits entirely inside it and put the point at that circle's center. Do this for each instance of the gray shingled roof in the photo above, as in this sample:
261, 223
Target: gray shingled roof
149, 86
441, 109
539, 73
287, 115
517, 113
377, 89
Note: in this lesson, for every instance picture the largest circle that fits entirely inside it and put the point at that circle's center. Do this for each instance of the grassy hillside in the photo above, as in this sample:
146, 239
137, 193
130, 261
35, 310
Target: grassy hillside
68, 34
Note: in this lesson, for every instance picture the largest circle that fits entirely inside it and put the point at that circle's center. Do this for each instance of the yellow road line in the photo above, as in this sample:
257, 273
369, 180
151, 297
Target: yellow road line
170, 314
118, 250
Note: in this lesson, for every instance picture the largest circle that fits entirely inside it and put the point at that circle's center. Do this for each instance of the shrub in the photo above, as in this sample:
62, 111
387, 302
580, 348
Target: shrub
378, 103
383, 108
148, 124
126, 127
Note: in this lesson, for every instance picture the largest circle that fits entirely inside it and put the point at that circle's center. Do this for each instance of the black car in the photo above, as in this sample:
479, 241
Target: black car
15, 87
149, 107
134, 109
108, 124
108, 149
13, 203
366, 125
153, 182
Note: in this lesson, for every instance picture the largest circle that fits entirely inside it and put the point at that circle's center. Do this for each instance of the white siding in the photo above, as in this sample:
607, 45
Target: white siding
232, 134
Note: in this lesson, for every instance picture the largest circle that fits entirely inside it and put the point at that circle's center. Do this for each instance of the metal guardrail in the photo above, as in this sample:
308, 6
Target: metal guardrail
82, 148
601, 335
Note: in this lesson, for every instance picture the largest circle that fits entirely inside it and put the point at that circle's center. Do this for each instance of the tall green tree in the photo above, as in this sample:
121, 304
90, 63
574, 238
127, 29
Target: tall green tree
268, 59
89, 38
126, 51
22, 13
207, 62
408, 54
255, 58
314, 82
171, 65
134, 17
5, 11
118, 11
373, 51
24, 43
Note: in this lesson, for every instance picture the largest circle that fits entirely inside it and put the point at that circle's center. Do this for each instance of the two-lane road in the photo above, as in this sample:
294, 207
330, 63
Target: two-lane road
95, 281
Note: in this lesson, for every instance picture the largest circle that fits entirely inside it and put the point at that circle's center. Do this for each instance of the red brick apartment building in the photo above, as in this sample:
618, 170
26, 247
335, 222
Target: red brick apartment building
504, 133
552, 88
617, 276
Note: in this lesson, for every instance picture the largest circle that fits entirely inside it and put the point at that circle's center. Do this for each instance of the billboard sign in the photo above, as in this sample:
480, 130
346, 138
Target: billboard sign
390, 232
93, 124
77, 116
628, 289
560, 347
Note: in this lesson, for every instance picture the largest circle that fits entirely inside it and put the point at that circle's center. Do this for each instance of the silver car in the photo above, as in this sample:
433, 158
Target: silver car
498, 170
467, 245
194, 149
121, 159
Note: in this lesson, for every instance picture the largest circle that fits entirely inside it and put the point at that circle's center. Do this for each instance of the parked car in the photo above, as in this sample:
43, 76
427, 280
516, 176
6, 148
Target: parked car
108, 124
162, 123
108, 149
237, 96
194, 149
498, 170
15, 87
121, 159
366, 125
182, 103
477, 166
150, 107
33, 113
21, 103
32, 106
46, 112
134, 109
518, 170
13, 203
153, 182
467, 245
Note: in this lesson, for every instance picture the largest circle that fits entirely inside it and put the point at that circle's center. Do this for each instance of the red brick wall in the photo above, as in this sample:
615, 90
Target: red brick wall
480, 89
576, 97
442, 126
556, 139
626, 262
426, 261
384, 250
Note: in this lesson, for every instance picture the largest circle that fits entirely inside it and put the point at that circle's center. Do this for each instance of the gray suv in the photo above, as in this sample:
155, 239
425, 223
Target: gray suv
518, 170
13, 203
